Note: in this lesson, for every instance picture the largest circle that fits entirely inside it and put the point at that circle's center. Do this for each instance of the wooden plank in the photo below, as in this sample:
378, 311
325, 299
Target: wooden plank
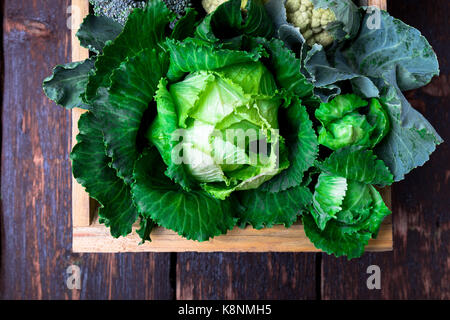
246, 276
419, 266
36, 224
80, 198
382, 4
96, 238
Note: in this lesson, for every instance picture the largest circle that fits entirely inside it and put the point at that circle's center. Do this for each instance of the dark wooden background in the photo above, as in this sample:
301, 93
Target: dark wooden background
36, 198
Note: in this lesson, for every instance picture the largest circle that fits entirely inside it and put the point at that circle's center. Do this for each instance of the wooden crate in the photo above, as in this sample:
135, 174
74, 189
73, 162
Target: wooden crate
90, 236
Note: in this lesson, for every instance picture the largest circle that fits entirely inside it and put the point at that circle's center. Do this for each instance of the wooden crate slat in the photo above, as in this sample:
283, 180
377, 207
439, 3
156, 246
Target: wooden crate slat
93, 237
80, 199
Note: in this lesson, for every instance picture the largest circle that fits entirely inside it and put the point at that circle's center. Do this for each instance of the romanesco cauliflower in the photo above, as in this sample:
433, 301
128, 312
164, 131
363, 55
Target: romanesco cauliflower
312, 22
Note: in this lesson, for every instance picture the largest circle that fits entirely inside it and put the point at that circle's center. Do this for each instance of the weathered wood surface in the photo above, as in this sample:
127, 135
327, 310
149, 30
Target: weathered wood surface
419, 266
35, 232
36, 177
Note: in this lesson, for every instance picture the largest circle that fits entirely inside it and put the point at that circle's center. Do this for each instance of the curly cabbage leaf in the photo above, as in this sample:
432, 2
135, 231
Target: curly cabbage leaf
344, 123
346, 209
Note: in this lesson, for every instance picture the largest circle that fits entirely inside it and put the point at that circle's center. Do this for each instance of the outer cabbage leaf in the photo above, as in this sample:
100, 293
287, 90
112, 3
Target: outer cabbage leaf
194, 215
91, 169
96, 31
133, 85
185, 25
286, 68
396, 46
228, 23
411, 139
335, 238
68, 82
358, 164
193, 55
266, 209
146, 226
152, 21
325, 73
301, 142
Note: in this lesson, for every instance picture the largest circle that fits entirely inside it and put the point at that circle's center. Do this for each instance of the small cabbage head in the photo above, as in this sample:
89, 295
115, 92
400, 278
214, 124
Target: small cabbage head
350, 120
347, 210
228, 127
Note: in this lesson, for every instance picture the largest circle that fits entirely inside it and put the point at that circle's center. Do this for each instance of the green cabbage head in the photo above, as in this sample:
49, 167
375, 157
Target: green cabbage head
228, 127
350, 120
182, 124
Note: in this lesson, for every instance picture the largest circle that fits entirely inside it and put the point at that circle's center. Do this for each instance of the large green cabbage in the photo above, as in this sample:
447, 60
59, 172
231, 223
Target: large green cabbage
183, 128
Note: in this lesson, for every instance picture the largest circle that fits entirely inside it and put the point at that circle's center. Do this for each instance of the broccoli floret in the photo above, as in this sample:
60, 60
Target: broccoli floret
178, 6
118, 10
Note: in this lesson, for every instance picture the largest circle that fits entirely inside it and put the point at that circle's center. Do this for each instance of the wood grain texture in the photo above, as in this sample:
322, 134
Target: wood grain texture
81, 209
97, 238
36, 227
419, 266
246, 276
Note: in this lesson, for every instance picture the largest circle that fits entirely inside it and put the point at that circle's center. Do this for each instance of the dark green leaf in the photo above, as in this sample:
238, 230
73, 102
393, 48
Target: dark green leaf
194, 215
184, 27
266, 209
96, 31
91, 169
144, 29
336, 239
356, 163
68, 82
133, 85
301, 141
229, 21
146, 227
286, 68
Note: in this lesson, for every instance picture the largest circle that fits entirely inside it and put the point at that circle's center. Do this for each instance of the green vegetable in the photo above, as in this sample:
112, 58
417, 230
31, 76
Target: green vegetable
214, 108
199, 123
162, 104
344, 124
346, 209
